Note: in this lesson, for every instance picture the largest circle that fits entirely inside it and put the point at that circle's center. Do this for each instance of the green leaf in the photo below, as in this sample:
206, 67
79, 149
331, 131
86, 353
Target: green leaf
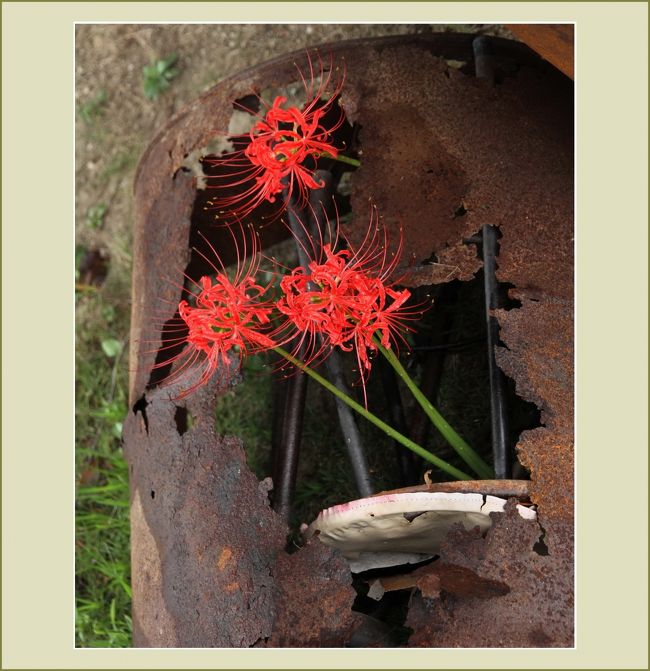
169, 61
112, 411
108, 313
94, 108
95, 215
150, 90
158, 75
111, 347
79, 253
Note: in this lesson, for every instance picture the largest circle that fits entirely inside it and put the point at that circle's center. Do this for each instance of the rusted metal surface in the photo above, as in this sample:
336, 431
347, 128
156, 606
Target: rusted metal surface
439, 577
160, 252
201, 562
314, 599
513, 144
503, 488
450, 154
553, 42
532, 614
539, 356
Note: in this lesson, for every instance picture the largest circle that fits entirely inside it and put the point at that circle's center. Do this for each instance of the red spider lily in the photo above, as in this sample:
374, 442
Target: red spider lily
279, 152
227, 316
348, 299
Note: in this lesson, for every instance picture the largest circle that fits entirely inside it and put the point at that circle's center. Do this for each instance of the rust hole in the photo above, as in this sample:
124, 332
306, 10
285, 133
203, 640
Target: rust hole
140, 406
540, 546
505, 300
172, 345
183, 420
382, 623
248, 103
460, 211
452, 343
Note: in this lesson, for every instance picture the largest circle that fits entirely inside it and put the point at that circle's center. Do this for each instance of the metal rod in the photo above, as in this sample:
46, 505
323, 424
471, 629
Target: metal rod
497, 395
434, 361
288, 446
279, 398
286, 461
405, 458
349, 428
484, 69
483, 58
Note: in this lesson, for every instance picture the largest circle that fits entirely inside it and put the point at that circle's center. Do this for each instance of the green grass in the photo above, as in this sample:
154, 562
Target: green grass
92, 109
157, 76
95, 216
245, 411
102, 494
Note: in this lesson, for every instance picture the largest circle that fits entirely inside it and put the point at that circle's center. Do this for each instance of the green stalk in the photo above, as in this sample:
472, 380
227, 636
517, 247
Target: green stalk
466, 453
343, 159
407, 442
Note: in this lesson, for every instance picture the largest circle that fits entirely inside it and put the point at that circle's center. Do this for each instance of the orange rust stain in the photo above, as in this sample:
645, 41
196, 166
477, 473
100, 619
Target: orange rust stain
224, 558
232, 586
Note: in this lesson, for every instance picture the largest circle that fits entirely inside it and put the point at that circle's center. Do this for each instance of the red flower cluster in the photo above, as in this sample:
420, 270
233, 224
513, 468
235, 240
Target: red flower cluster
280, 151
347, 299
226, 315
343, 298
339, 303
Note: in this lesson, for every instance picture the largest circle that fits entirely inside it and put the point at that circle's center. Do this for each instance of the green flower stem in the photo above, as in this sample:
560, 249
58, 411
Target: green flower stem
343, 159
442, 465
466, 453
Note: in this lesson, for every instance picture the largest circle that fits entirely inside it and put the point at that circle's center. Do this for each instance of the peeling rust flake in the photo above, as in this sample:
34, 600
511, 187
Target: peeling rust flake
540, 596
314, 601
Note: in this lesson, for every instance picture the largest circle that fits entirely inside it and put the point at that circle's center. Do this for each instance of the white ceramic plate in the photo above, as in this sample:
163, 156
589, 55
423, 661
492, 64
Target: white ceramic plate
402, 528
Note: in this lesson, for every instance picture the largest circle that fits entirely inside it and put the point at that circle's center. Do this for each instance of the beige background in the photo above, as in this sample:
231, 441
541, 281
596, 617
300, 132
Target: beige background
38, 304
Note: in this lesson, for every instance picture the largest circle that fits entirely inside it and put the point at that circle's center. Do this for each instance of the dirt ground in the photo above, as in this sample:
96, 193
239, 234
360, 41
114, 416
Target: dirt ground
115, 121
